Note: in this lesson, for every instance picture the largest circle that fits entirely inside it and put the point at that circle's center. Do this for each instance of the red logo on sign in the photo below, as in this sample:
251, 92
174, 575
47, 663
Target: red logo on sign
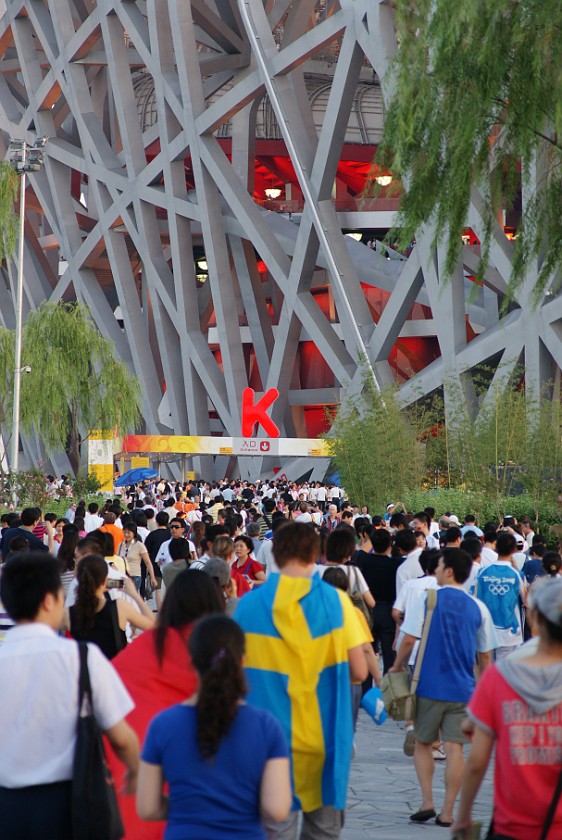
254, 413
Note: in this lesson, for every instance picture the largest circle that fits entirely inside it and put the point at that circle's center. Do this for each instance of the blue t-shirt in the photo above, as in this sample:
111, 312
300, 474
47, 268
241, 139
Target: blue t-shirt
532, 569
500, 587
210, 800
460, 627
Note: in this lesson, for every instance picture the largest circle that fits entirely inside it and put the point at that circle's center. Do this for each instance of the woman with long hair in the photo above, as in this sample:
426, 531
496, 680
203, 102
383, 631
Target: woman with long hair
59, 525
65, 554
200, 746
134, 553
79, 524
363, 530
157, 671
95, 617
197, 536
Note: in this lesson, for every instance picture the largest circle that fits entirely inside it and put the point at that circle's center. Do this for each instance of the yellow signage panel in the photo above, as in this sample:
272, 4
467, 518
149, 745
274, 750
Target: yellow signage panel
100, 434
208, 445
190, 475
104, 474
140, 461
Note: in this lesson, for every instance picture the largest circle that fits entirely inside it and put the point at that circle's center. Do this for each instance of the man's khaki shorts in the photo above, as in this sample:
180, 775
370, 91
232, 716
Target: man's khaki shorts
439, 720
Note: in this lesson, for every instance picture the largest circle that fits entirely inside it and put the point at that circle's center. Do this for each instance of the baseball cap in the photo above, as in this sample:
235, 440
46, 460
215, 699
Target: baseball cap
218, 568
546, 596
454, 520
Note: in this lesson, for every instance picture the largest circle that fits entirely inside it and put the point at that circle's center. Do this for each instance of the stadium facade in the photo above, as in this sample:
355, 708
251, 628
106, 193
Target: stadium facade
205, 160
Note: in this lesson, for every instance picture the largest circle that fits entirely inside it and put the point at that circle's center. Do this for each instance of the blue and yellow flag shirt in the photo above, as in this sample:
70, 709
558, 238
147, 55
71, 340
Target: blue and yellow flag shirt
298, 633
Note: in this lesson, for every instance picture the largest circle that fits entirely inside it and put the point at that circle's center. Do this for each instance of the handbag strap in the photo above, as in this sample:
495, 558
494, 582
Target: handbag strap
552, 807
114, 622
354, 581
84, 686
431, 602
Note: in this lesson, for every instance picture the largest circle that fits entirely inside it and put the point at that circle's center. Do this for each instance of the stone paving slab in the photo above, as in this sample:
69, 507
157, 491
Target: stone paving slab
384, 791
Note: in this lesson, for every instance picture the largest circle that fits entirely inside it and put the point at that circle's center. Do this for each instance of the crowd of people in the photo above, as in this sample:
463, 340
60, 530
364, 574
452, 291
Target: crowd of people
233, 629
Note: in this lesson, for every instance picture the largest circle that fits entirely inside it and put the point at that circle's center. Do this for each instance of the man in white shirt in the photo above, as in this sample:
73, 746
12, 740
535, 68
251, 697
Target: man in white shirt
527, 530
39, 672
304, 515
421, 522
228, 493
470, 525
489, 553
405, 542
177, 528
93, 520
412, 591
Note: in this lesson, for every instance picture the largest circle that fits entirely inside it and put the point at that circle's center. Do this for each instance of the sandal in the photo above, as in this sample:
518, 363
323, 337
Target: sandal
423, 816
443, 823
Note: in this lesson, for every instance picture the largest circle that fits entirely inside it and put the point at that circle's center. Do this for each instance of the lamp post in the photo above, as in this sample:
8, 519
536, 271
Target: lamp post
24, 157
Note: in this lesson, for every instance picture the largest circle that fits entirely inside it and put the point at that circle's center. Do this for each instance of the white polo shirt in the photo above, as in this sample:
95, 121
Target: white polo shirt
39, 673
409, 569
163, 557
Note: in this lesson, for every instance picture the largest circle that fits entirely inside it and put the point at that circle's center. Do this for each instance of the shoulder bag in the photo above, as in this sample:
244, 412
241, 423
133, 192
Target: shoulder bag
357, 597
398, 691
552, 807
114, 615
95, 813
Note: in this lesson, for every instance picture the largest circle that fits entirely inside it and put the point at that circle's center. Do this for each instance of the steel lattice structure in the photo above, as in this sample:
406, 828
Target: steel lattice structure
112, 207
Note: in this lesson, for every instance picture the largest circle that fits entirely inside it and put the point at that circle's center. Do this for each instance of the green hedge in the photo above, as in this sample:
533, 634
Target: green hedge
486, 509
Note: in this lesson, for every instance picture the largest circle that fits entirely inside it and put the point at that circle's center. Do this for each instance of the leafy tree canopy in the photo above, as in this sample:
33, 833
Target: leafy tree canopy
76, 382
478, 102
8, 217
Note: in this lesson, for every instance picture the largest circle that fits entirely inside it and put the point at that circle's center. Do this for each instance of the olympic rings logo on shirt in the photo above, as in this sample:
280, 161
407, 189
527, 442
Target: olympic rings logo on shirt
499, 589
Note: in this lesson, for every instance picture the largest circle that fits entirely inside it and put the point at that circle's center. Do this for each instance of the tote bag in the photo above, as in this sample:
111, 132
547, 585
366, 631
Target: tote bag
95, 813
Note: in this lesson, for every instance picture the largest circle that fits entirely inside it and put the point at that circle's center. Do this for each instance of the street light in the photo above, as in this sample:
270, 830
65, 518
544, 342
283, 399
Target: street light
24, 157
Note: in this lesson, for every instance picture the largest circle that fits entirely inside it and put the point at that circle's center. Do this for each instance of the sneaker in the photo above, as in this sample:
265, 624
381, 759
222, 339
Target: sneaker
438, 754
409, 743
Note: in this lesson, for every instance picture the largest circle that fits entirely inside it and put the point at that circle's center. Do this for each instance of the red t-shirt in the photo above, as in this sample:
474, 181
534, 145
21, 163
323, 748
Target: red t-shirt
249, 569
528, 757
154, 686
242, 585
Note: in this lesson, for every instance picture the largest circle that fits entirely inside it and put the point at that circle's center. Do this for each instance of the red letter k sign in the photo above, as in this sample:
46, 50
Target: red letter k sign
253, 413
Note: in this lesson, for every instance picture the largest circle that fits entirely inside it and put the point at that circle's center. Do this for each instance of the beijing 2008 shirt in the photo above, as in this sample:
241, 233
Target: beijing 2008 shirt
501, 588
460, 628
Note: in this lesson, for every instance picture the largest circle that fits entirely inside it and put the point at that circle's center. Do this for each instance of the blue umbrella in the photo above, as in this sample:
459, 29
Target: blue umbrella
134, 476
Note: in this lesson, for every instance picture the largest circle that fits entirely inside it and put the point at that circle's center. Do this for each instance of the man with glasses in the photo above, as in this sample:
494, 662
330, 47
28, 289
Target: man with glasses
177, 529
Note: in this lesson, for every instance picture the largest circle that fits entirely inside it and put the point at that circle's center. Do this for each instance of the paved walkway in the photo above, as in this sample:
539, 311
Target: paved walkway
384, 791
